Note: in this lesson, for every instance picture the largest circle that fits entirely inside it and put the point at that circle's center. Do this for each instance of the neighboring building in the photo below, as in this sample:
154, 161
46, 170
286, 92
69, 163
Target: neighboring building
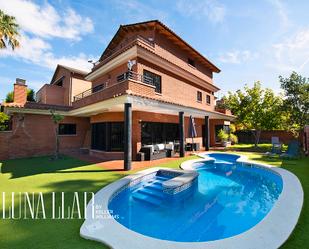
167, 78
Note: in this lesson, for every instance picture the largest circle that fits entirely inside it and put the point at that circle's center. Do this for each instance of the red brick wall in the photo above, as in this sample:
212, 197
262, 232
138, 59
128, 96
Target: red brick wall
171, 52
107, 93
34, 135
176, 89
20, 94
51, 94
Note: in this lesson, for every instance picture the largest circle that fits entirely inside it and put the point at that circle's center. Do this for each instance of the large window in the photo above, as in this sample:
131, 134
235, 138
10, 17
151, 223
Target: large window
156, 80
154, 133
67, 129
108, 136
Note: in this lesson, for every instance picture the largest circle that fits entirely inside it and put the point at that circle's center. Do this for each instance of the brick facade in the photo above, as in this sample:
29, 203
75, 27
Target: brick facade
33, 135
154, 48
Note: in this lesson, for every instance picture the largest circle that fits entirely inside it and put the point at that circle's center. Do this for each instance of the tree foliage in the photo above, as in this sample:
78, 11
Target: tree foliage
255, 109
9, 97
3, 119
296, 101
30, 96
8, 31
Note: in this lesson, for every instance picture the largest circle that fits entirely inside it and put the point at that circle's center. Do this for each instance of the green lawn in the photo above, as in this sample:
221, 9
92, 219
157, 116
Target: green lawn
250, 147
69, 175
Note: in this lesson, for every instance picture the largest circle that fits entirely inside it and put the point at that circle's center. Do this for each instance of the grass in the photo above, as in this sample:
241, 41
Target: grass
251, 148
69, 175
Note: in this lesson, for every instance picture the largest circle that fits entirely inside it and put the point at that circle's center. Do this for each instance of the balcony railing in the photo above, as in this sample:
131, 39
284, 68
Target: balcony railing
89, 92
129, 75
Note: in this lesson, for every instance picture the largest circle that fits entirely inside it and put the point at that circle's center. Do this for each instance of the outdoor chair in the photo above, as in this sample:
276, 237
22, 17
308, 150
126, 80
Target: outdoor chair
276, 148
292, 151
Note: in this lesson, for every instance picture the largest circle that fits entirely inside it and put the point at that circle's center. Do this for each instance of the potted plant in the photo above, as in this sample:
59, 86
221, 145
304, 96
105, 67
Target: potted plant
224, 137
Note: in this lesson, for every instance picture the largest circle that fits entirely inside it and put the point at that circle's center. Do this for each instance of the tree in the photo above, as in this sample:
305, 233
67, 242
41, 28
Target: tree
30, 96
255, 109
296, 101
9, 97
57, 118
8, 31
3, 121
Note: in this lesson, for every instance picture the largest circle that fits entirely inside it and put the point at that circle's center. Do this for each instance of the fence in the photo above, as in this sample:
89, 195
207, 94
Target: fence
247, 137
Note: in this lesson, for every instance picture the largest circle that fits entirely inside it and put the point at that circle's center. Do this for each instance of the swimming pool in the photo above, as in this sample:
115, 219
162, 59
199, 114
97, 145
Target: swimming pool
229, 201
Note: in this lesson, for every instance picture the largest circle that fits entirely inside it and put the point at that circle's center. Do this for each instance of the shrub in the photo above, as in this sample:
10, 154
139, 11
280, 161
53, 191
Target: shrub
223, 136
232, 128
233, 138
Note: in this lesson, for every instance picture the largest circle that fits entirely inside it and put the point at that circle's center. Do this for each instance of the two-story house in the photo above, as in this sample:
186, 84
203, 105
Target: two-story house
142, 91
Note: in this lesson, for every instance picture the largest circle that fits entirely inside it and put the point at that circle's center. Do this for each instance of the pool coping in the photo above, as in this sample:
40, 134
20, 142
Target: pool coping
269, 233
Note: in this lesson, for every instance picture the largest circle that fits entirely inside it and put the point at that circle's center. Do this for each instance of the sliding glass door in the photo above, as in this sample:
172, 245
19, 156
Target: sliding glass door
155, 132
107, 136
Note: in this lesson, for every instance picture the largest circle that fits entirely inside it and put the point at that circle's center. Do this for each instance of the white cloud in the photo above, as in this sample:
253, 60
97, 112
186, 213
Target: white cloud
211, 9
237, 56
38, 51
45, 21
38, 25
293, 52
281, 10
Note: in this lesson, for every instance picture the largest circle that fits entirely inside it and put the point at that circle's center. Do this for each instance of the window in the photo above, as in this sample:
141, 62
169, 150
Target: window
199, 96
97, 88
208, 99
107, 136
152, 79
154, 132
191, 62
59, 82
67, 129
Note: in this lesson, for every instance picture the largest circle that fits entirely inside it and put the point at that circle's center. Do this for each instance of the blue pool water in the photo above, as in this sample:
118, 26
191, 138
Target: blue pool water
228, 199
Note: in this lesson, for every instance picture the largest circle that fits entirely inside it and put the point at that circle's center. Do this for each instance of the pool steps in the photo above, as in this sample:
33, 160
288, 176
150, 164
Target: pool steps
152, 192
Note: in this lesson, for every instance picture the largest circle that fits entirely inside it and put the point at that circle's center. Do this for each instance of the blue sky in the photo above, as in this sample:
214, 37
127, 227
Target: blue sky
247, 40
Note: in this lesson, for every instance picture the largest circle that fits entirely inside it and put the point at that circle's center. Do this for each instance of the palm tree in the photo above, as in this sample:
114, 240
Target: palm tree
8, 31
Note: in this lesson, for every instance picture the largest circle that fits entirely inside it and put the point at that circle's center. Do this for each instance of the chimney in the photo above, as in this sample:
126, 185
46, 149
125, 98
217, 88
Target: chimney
20, 91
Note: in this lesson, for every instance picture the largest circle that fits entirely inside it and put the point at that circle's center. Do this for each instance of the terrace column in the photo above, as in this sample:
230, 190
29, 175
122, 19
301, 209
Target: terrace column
127, 136
181, 134
207, 133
